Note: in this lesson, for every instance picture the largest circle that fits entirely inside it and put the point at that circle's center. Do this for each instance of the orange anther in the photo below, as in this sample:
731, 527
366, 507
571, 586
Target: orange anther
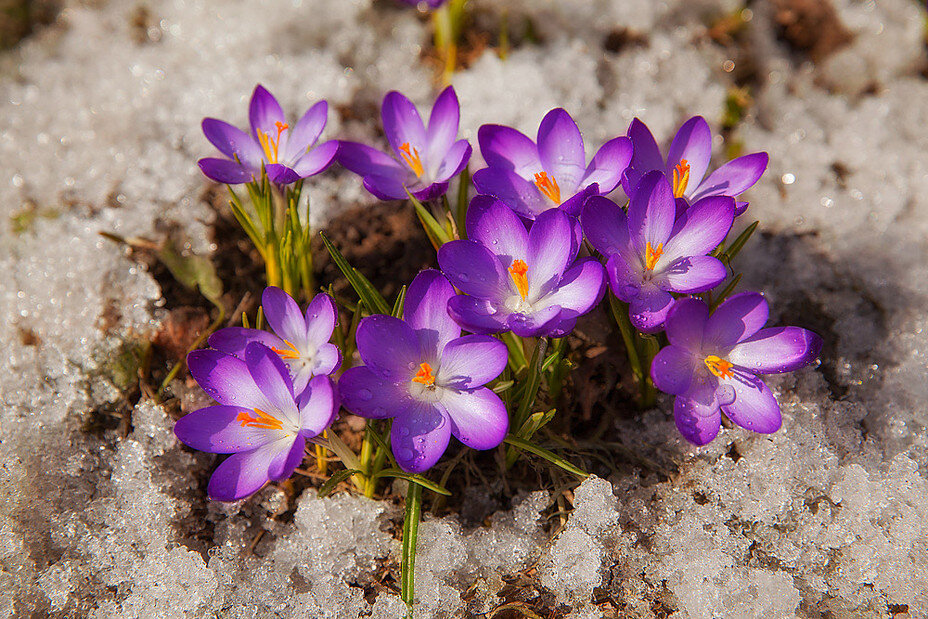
424, 375
263, 420
719, 366
271, 145
287, 353
548, 186
681, 178
518, 269
412, 159
652, 255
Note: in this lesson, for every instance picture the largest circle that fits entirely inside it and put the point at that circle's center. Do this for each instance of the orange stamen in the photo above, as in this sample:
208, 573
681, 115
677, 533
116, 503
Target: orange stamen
411, 157
424, 375
548, 186
518, 269
287, 353
270, 145
652, 255
719, 366
681, 177
263, 420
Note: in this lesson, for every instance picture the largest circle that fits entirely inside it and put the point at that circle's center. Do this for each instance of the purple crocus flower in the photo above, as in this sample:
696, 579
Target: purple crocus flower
301, 340
532, 178
421, 373
651, 253
687, 162
287, 154
515, 279
712, 364
424, 158
257, 418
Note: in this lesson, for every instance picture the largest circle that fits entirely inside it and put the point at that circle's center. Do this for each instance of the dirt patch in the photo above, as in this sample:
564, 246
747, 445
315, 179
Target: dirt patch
811, 27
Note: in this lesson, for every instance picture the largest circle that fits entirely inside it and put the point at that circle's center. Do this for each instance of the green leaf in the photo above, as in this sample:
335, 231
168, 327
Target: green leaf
560, 344
435, 231
726, 291
414, 478
554, 459
535, 422
400, 302
193, 272
336, 478
502, 386
739, 242
461, 210
362, 286
533, 381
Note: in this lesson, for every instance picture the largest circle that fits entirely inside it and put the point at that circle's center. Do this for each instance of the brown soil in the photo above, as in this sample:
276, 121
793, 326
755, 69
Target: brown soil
811, 27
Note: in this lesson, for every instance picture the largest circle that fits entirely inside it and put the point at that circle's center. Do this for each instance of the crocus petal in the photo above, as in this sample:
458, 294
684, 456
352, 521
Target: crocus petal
471, 361
443, 125
651, 212
693, 274
233, 340
419, 437
243, 474
316, 160
497, 227
328, 358
646, 154
574, 204
402, 123
226, 379
581, 288
426, 311
388, 187
282, 468
706, 224
233, 142
307, 130
476, 315
264, 112
318, 404
273, 379
686, 323
538, 323
754, 407
740, 207
549, 245
281, 174
284, 316
217, 429
388, 346
624, 279
429, 192
605, 225
225, 171
560, 148
738, 318
365, 161
453, 162
698, 423
369, 395
733, 178
478, 417
648, 310
319, 320
672, 370
473, 269
777, 350
519, 194
608, 164
508, 149
692, 142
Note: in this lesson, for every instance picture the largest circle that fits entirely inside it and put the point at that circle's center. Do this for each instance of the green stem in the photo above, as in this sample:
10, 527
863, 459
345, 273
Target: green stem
650, 347
410, 535
629, 334
367, 451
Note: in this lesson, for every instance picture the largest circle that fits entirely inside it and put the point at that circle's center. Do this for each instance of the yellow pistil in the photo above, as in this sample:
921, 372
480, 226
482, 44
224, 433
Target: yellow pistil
424, 375
719, 366
290, 352
681, 177
263, 420
271, 145
518, 269
412, 159
652, 255
548, 186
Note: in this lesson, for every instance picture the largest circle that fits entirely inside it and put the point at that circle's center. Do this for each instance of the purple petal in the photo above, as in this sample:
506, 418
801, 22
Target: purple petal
225, 171
538, 323
282, 468
366, 161
624, 279
319, 320
754, 407
226, 379
519, 194
706, 224
608, 164
281, 174
473, 269
651, 212
389, 347
307, 131
443, 125
549, 251
426, 311
232, 141
318, 404
574, 204
233, 340
672, 370
686, 323
733, 178
402, 123
740, 207
476, 315
698, 423
243, 474
453, 162
264, 112
560, 148
471, 361
498, 228
273, 379
648, 310
419, 437
388, 187
317, 159
369, 395
328, 358
508, 149
693, 274
284, 316
478, 418
646, 155
777, 350
692, 142
217, 429
581, 287
429, 192
738, 318
605, 225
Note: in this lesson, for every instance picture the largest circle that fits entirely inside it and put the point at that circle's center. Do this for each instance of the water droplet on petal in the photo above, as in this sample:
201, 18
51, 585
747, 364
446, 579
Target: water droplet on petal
404, 454
630, 291
725, 395
464, 277
379, 411
365, 394
402, 431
